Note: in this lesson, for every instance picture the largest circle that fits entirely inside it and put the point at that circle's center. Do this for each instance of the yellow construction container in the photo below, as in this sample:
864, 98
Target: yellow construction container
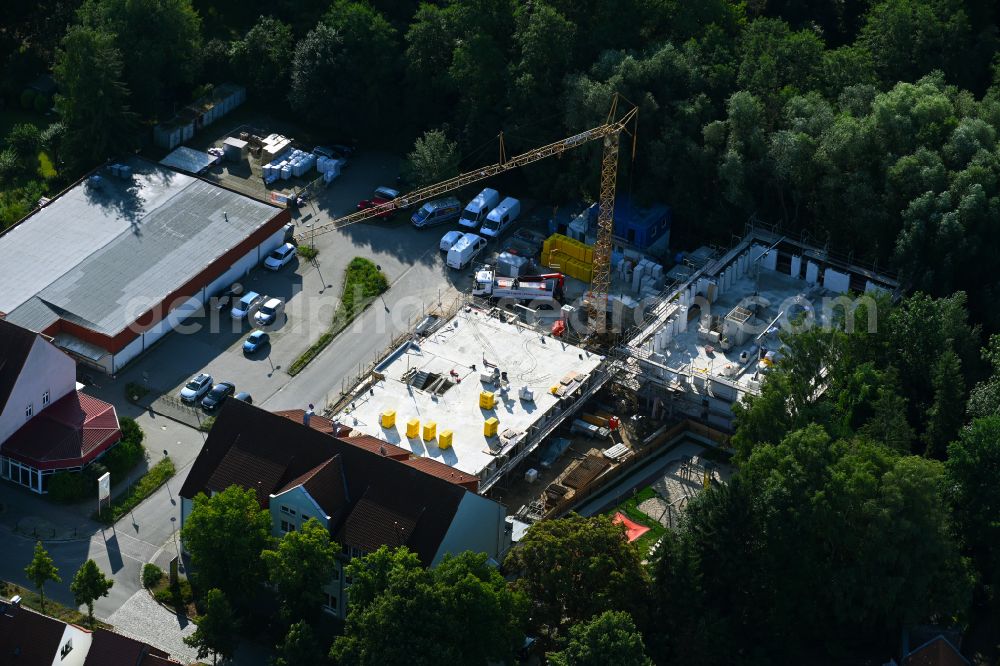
444, 439
413, 427
487, 399
430, 431
491, 426
388, 419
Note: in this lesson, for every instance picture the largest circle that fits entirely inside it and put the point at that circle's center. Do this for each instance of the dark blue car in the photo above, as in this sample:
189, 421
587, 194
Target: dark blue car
256, 341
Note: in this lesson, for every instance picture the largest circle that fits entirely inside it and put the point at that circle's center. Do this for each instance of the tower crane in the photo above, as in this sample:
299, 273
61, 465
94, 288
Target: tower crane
610, 132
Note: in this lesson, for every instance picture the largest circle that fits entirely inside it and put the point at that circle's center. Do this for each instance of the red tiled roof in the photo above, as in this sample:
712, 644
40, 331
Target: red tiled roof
936, 652
317, 422
246, 470
69, 433
443, 471
372, 524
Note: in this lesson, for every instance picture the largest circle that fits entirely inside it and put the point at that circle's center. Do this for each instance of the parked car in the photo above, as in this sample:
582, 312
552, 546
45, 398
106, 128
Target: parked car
247, 304
243, 396
435, 212
380, 196
280, 257
269, 312
196, 388
449, 239
217, 396
255, 342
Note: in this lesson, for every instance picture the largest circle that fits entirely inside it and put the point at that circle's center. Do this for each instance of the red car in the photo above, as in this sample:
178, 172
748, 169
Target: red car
381, 195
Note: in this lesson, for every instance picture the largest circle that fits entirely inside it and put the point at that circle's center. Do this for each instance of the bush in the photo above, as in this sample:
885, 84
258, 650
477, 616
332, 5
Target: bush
135, 392
28, 99
131, 431
71, 486
9, 166
207, 424
42, 103
151, 575
307, 252
24, 138
157, 475
51, 137
123, 456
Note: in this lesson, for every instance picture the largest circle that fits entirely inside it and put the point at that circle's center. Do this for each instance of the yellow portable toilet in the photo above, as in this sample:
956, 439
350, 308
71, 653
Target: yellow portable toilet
491, 426
444, 439
389, 418
487, 399
413, 428
430, 431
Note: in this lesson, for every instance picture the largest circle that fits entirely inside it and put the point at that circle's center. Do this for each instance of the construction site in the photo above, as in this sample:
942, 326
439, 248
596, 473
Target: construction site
578, 371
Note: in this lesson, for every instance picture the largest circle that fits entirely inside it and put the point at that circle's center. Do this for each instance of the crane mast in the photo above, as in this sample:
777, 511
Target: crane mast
610, 132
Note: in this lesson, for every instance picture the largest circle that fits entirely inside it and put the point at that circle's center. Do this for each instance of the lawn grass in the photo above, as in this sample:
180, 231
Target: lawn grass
46, 169
157, 475
30, 599
362, 285
630, 508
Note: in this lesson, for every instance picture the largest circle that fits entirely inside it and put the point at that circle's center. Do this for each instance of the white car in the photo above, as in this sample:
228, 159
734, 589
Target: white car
449, 239
279, 258
196, 388
268, 313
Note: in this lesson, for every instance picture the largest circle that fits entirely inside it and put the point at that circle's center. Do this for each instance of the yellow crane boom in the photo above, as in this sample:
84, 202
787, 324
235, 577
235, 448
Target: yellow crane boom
609, 131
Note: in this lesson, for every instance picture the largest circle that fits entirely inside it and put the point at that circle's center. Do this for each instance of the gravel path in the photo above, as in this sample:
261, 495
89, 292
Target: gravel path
143, 619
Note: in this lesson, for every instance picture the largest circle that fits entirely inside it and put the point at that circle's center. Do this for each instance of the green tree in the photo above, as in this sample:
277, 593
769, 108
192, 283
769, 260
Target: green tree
973, 464
461, 591
10, 166
574, 568
299, 567
93, 101
984, 399
608, 638
41, 570
225, 535
434, 158
162, 40
216, 630
263, 57
299, 647
345, 69
90, 584
947, 412
24, 138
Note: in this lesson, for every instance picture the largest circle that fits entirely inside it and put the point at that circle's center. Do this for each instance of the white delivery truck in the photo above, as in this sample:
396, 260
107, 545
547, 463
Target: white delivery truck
479, 208
436, 212
465, 250
547, 288
501, 217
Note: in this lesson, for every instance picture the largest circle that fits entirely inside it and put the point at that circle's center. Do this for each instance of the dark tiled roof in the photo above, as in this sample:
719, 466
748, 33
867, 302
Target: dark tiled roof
327, 486
69, 433
113, 649
15, 344
27, 637
248, 445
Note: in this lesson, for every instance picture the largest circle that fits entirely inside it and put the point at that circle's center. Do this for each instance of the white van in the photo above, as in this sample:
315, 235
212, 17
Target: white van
436, 212
478, 208
465, 250
501, 217
449, 240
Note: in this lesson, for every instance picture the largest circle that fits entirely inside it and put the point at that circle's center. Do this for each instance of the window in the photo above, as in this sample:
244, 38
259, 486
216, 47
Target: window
66, 649
287, 510
45, 398
29, 411
287, 526
331, 601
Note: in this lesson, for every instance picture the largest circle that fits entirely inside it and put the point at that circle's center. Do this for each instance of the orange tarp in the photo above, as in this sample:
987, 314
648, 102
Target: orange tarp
632, 529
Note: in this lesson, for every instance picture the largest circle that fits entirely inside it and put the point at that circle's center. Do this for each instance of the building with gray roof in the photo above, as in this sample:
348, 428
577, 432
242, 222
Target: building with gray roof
125, 254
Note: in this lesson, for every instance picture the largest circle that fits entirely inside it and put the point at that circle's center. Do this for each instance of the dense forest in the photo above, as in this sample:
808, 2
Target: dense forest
869, 126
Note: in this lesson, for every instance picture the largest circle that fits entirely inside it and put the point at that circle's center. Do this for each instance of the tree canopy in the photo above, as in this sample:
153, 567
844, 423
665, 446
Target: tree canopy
298, 568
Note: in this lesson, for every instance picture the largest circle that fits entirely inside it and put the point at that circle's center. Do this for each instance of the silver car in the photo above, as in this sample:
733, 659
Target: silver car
196, 388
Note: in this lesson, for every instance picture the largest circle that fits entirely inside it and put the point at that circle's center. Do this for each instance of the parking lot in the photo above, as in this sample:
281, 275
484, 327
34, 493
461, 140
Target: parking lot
212, 341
